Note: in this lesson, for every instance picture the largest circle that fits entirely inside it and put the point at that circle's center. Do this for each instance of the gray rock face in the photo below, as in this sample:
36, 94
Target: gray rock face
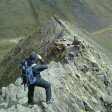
79, 80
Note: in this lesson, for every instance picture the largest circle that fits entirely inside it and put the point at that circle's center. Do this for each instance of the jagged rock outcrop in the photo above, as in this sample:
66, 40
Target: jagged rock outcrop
80, 79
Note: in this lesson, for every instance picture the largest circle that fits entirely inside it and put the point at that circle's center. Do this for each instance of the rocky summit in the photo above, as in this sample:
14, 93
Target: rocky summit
80, 78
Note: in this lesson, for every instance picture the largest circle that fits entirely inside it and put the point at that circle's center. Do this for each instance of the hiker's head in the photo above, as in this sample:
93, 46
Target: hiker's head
33, 56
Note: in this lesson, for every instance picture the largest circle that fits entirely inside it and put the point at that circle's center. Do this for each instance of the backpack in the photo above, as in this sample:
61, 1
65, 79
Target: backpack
27, 73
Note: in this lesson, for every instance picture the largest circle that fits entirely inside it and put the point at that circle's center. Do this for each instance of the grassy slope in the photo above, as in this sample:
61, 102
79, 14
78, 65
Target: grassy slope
15, 18
18, 17
104, 38
6, 45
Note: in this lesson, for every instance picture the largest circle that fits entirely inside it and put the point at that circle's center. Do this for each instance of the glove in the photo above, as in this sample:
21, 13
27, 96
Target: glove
39, 57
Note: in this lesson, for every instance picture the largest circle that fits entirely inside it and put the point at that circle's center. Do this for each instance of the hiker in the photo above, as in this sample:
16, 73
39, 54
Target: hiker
33, 63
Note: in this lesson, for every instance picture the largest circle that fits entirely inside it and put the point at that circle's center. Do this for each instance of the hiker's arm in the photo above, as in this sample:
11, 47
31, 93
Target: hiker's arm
42, 62
39, 68
43, 65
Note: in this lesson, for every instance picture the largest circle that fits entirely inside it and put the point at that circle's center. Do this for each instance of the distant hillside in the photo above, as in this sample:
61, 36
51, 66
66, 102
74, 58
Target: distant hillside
20, 17
103, 37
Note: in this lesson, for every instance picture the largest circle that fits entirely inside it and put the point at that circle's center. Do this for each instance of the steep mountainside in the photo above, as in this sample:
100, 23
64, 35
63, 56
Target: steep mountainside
6, 45
19, 17
81, 80
104, 38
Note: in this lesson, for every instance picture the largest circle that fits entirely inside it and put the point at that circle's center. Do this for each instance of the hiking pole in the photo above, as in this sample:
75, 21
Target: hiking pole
24, 88
25, 85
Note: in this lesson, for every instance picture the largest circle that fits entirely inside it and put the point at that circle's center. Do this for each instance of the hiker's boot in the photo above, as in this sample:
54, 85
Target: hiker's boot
31, 102
50, 101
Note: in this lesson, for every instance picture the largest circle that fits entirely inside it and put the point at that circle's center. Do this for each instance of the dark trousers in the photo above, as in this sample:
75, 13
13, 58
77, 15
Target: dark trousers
40, 83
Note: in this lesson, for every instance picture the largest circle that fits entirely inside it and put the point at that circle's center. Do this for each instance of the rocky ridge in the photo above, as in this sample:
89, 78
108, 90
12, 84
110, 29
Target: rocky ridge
80, 79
